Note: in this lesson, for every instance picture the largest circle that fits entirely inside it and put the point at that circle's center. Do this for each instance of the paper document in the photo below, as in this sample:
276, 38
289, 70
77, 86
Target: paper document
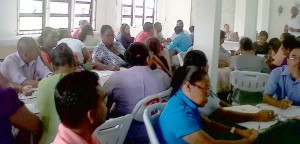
103, 73
243, 109
31, 108
291, 112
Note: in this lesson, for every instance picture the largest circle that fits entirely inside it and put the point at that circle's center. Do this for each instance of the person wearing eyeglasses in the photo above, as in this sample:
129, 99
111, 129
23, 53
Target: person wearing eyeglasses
180, 121
108, 54
284, 83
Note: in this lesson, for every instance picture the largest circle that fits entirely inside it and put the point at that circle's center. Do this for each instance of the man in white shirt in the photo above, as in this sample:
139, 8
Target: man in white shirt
293, 25
179, 23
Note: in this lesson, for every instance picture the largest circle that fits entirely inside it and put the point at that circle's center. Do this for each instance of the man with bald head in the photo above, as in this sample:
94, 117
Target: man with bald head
24, 66
293, 25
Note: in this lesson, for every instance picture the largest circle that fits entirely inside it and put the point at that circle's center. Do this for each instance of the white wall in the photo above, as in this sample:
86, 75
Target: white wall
228, 14
8, 14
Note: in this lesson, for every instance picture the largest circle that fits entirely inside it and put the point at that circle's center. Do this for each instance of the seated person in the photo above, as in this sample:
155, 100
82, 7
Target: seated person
76, 33
124, 36
147, 32
180, 24
108, 55
76, 45
214, 105
180, 121
181, 42
80, 103
87, 36
159, 35
230, 36
47, 41
62, 63
159, 61
14, 112
143, 82
262, 46
24, 67
247, 61
274, 44
279, 57
224, 55
283, 86
26, 89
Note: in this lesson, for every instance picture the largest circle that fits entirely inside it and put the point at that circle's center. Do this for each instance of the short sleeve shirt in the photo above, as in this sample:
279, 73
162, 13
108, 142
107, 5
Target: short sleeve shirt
281, 85
179, 118
76, 46
107, 57
9, 104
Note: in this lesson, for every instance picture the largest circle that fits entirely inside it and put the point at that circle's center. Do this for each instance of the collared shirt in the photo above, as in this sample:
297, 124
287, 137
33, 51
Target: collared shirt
67, 136
159, 35
179, 118
173, 34
16, 71
9, 104
181, 42
212, 104
282, 85
107, 57
294, 23
249, 62
143, 36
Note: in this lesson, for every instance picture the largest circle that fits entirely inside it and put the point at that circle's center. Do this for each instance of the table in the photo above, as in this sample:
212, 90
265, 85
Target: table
30, 101
230, 45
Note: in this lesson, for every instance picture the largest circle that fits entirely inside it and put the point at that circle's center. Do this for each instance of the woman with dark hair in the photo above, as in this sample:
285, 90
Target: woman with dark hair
124, 36
190, 90
87, 36
62, 64
108, 55
47, 42
126, 88
262, 46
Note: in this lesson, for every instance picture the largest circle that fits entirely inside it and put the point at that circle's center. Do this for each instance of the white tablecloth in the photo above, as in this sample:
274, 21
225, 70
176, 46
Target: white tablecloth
229, 45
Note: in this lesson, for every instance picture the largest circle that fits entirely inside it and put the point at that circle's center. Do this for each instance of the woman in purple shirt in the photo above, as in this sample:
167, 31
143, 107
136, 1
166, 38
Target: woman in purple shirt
126, 88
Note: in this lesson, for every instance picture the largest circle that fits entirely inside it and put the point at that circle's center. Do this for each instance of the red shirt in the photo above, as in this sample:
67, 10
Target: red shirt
143, 36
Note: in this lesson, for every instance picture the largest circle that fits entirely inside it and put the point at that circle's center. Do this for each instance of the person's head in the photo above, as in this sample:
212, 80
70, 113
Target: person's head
180, 23
86, 30
83, 23
294, 11
80, 101
289, 44
107, 34
274, 44
283, 36
294, 60
148, 27
154, 45
28, 49
196, 58
192, 29
48, 38
158, 26
246, 44
226, 28
125, 29
178, 29
138, 55
193, 82
222, 37
62, 59
63, 33
263, 36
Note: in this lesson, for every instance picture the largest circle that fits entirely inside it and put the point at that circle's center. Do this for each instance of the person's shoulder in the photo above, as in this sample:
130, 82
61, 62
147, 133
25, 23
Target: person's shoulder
279, 70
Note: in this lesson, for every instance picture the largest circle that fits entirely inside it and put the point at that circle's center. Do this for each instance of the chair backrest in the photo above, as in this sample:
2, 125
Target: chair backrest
140, 107
151, 116
189, 49
249, 81
114, 131
181, 56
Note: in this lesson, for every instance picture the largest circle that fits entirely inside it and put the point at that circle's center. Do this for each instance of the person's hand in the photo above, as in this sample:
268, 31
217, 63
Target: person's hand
243, 133
169, 40
112, 68
292, 29
27, 90
264, 115
286, 26
285, 103
253, 135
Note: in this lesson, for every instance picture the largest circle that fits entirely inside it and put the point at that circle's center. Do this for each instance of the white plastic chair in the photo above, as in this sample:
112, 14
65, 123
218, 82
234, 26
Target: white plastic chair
140, 107
181, 56
151, 116
249, 81
114, 131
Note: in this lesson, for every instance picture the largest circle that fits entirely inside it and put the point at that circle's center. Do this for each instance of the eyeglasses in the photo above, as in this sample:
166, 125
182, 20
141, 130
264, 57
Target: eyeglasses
207, 90
293, 58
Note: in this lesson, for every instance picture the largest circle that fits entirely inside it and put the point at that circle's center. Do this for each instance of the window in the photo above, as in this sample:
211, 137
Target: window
33, 16
137, 12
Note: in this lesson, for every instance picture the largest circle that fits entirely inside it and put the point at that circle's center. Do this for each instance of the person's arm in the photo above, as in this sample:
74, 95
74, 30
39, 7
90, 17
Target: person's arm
283, 104
109, 85
33, 83
223, 63
41, 69
100, 66
200, 137
173, 44
86, 55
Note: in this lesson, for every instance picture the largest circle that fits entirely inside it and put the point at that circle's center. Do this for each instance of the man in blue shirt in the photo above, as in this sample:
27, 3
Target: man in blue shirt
181, 42
284, 83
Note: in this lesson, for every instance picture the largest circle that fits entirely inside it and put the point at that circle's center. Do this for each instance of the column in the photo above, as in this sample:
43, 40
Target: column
246, 18
207, 34
263, 15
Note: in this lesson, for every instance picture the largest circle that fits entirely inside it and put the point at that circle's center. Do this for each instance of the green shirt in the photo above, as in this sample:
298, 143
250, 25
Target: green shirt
45, 103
